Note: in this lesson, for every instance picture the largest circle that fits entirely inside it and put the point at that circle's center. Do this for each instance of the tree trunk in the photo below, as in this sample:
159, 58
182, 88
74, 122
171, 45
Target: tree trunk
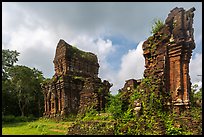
21, 108
39, 107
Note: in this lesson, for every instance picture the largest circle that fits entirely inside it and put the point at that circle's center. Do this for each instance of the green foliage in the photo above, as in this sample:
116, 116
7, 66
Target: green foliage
90, 114
21, 89
195, 96
9, 57
144, 124
92, 128
196, 113
158, 25
150, 119
9, 99
78, 77
136, 95
70, 117
128, 115
100, 90
19, 129
198, 95
114, 106
41, 126
13, 119
169, 125
75, 51
26, 86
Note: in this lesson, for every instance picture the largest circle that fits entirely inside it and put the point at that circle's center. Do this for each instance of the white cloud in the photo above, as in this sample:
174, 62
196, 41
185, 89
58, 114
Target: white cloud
36, 48
132, 66
93, 18
102, 48
195, 68
94, 44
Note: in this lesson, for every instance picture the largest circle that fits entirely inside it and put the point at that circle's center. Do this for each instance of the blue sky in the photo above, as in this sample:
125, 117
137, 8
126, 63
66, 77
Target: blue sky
122, 46
114, 31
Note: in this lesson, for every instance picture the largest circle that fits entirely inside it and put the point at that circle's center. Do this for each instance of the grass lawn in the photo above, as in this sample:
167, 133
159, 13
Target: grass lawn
38, 127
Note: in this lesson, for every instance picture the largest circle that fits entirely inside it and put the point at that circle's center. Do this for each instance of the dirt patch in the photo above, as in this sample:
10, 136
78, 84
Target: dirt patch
65, 126
58, 130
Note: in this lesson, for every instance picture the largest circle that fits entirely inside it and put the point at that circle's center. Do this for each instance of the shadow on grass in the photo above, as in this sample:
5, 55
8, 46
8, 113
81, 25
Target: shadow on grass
18, 124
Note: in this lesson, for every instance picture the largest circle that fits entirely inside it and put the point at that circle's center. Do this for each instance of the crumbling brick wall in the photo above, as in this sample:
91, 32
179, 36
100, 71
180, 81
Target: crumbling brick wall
72, 61
167, 55
93, 94
127, 91
63, 94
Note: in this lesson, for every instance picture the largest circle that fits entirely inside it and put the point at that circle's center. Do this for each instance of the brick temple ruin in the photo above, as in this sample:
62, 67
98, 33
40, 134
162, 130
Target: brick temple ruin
75, 85
129, 87
130, 84
167, 56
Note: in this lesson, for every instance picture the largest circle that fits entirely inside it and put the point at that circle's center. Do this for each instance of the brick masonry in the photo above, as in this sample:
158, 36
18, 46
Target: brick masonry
75, 84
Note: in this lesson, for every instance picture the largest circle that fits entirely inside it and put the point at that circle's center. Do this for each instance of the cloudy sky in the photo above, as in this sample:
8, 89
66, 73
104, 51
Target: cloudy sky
114, 31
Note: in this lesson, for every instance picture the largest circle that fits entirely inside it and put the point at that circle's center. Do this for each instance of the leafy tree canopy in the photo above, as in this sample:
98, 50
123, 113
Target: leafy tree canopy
9, 57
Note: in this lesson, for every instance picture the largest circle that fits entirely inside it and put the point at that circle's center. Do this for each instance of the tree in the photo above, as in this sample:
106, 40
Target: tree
39, 98
9, 57
9, 99
198, 94
195, 94
21, 91
26, 83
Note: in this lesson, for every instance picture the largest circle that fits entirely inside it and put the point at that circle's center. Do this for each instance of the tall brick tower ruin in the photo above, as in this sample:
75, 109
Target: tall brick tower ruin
167, 55
75, 85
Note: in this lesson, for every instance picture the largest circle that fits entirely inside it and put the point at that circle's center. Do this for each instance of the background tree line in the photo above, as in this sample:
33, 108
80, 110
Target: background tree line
21, 91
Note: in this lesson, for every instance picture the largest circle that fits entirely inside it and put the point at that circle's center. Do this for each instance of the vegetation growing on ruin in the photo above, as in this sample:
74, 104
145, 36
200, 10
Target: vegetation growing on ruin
87, 55
78, 77
50, 80
157, 26
153, 119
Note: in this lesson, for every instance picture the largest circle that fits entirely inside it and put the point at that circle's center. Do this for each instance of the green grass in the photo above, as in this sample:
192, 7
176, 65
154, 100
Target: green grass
38, 127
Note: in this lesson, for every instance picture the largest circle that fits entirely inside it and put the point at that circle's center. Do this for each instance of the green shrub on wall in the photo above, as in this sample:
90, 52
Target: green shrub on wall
158, 25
